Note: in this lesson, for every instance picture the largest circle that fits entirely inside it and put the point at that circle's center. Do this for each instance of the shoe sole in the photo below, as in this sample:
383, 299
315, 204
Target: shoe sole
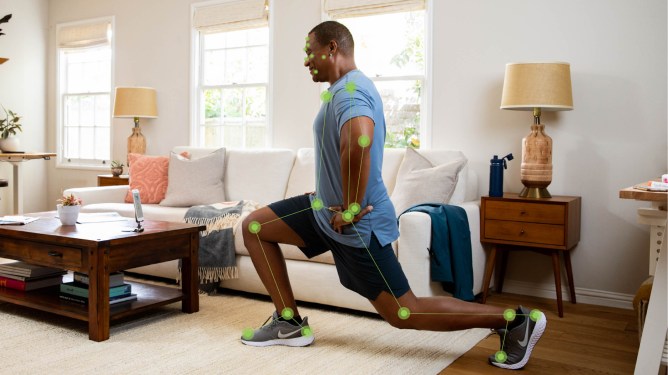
297, 341
538, 330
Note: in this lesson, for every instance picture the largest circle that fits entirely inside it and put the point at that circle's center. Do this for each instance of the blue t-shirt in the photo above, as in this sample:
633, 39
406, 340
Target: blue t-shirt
353, 95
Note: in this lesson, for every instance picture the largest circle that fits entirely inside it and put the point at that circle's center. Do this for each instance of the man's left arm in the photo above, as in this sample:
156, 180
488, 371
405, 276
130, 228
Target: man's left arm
355, 150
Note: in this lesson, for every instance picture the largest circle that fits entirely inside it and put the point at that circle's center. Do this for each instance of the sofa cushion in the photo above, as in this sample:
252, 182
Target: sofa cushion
195, 181
302, 176
258, 175
420, 181
148, 174
151, 211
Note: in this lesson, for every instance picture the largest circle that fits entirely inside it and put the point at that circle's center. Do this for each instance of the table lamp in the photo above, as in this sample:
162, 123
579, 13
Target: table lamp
136, 102
537, 86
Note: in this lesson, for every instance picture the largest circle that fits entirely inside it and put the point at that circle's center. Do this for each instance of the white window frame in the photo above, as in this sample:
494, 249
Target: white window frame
86, 164
197, 86
427, 88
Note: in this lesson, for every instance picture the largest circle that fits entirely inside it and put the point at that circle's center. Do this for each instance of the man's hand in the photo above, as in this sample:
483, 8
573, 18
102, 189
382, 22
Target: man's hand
339, 221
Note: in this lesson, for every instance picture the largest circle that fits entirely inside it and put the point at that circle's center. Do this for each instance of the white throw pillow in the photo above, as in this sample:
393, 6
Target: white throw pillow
195, 182
419, 181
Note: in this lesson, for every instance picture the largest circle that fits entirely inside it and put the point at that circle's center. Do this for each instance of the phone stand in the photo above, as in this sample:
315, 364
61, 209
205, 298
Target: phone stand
139, 228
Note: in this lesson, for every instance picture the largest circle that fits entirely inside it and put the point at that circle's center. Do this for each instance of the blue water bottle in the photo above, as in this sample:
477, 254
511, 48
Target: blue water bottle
496, 167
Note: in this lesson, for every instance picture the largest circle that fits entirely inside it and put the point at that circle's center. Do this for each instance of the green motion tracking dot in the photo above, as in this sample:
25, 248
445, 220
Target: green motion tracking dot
323, 57
350, 87
500, 356
317, 204
254, 227
509, 315
287, 313
364, 141
306, 331
247, 333
348, 216
315, 71
311, 56
404, 313
354, 208
535, 315
326, 96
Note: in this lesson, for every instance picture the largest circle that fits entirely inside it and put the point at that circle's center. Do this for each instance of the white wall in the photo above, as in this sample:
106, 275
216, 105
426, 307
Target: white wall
23, 90
615, 136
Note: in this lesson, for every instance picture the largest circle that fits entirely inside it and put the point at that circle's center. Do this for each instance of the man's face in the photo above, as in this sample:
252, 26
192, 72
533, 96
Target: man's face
316, 59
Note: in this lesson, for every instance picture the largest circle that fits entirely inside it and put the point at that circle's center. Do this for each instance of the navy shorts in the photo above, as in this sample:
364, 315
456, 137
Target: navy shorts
364, 271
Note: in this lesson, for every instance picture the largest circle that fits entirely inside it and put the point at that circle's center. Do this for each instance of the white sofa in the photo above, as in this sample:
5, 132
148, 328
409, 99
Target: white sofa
269, 175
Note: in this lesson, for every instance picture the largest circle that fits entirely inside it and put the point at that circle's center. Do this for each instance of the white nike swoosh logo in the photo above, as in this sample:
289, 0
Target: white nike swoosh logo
282, 335
522, 343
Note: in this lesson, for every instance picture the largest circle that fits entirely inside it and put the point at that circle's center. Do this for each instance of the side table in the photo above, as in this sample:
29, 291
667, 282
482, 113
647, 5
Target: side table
110, 180
546, 225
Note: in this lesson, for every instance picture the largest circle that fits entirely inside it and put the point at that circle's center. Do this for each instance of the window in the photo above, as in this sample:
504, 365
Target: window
392, 57
232, 75
84, 93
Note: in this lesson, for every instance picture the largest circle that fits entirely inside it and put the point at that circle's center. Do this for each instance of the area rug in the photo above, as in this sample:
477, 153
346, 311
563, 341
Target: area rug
167, 341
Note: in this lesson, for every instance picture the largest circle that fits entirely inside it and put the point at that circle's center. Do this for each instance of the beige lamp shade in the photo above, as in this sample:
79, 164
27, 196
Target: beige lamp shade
135, 102
545, 85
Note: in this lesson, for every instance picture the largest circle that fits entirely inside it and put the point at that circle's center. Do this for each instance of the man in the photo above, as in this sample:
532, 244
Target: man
351, 214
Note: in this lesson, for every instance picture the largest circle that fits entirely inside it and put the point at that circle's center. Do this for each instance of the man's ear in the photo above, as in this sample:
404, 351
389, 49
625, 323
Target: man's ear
333, 46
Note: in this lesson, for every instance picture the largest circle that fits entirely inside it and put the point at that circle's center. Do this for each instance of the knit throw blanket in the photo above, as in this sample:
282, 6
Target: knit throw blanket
217, 260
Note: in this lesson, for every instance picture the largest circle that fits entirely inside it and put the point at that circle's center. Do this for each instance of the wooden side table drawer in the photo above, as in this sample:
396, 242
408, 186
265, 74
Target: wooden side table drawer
529, 212
532, 234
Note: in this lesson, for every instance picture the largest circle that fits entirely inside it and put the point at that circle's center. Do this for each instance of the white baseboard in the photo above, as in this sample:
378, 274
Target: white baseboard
582, 295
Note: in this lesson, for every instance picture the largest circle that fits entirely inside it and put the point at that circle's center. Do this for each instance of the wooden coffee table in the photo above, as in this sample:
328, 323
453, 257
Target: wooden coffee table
98, 249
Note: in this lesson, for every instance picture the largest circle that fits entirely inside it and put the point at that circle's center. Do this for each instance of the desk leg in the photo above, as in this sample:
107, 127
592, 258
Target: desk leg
656, 322
17, 185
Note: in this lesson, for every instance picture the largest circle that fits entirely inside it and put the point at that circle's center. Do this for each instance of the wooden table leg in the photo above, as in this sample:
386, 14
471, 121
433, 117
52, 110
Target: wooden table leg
98, 294
189, 277
489, 268
557, 281
569, 274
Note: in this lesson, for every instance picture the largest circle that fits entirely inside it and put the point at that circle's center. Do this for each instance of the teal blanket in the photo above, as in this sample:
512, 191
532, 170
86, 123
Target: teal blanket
450, 251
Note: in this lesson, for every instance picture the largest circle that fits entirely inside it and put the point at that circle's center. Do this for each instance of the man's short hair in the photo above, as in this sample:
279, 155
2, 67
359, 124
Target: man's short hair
332, 30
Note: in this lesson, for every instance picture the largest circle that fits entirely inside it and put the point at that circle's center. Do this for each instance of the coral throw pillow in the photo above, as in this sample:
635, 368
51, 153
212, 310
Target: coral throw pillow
148, 174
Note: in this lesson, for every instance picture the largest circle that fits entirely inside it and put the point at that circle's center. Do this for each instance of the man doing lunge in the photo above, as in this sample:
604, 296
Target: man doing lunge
351, 215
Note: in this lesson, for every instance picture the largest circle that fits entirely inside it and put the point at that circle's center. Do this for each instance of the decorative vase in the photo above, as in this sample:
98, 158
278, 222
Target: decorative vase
10, 144
117, 171
68, 215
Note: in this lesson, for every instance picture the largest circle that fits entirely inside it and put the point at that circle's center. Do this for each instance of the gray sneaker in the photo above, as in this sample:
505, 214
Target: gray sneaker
278, 332
517, 343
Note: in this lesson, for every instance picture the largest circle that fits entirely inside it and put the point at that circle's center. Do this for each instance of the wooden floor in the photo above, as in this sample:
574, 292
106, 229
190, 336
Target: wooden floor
589, 339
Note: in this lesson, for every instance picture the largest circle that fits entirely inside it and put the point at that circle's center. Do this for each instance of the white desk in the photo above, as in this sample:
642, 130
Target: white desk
656, 322
17, 179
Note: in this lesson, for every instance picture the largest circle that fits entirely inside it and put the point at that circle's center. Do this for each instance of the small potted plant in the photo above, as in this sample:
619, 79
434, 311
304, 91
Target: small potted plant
116, 168
9, 126
68, 209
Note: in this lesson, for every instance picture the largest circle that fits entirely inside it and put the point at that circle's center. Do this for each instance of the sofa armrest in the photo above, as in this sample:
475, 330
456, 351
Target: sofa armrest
415, 240
101, 194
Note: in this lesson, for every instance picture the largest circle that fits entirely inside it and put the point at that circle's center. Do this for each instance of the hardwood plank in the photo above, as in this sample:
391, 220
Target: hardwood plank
589, 339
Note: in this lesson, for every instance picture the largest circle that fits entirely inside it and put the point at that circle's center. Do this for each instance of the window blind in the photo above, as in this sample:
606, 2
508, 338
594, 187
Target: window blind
358, 8
84, 35
230, 16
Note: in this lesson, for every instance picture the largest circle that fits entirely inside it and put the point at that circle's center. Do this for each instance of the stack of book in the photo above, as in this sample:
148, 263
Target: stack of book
24, 276
77, 290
